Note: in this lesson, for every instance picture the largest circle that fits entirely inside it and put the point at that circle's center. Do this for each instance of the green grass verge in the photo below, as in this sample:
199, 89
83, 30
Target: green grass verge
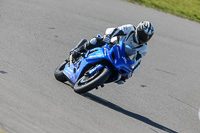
189, 9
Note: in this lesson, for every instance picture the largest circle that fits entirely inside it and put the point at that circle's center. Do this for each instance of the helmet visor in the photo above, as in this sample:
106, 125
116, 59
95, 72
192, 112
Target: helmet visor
144, 37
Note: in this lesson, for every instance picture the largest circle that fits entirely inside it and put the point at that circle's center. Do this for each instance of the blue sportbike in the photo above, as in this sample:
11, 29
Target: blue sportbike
95, 67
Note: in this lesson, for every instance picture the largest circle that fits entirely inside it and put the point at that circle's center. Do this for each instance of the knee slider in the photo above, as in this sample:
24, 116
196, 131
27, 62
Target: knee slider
93, 41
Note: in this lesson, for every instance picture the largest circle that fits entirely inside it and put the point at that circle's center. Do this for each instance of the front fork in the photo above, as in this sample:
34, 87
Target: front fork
97, 68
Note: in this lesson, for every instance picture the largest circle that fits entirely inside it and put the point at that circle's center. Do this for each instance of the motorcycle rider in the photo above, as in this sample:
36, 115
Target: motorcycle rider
135, 39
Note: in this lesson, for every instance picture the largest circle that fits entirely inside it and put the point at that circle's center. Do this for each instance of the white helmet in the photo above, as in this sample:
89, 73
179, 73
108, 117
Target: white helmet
145, 31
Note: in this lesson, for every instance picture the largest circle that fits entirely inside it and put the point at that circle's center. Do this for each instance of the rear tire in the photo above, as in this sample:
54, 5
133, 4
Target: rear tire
94, 81
58, 73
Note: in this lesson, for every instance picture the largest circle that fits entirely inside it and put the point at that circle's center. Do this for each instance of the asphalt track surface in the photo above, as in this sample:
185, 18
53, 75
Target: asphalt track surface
36, 36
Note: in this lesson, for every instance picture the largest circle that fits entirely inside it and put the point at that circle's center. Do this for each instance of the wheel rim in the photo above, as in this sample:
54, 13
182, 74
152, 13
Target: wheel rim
87, 78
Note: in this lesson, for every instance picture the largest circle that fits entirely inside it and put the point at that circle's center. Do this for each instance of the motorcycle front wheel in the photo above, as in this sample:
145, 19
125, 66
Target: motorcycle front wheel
89, 82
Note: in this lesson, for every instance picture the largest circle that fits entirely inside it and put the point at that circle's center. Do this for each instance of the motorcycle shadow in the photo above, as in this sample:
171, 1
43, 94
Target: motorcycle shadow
126, 112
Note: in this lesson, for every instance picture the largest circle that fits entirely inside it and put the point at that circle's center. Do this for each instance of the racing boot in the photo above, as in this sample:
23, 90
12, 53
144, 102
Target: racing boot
80, 47
83, 46
77, 52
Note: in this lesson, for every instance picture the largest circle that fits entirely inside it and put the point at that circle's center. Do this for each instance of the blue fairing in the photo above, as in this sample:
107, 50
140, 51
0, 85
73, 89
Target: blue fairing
115, 57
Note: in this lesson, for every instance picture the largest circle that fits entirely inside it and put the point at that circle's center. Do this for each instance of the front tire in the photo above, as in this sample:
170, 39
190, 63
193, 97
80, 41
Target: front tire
58, 73
85, 84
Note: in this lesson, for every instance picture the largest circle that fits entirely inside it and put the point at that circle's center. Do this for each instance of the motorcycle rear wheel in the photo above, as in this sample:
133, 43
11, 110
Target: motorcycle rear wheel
87, 83
58, 73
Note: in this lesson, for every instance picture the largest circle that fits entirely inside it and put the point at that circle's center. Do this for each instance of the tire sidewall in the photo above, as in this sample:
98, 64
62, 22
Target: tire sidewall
99, 80
58, 73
